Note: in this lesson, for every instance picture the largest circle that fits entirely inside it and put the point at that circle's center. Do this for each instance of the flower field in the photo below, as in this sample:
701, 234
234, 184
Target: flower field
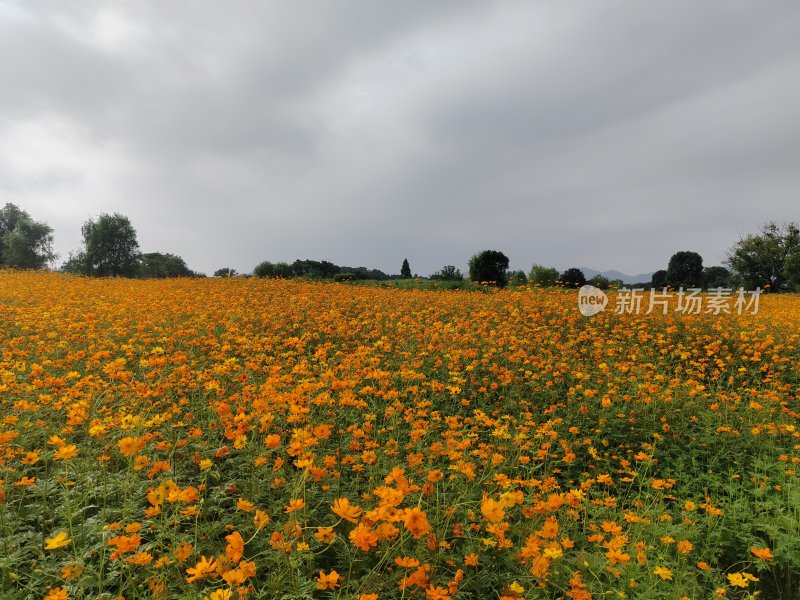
243, 438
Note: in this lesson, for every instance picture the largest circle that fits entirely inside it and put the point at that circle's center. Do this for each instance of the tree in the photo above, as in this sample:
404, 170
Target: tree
161, 265
685, 269
518, 278
599, 281
573, 278
110, 247
24, 243
448, 273
659, 279
543, 276
225, 272
716, 277
769, 259
405, 270
489, 266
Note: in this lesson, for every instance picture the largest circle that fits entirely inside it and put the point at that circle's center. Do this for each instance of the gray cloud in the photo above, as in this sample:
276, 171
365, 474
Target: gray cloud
607, 134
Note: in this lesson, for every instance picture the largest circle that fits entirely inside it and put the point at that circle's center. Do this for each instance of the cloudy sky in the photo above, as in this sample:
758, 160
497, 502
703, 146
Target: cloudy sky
602, 134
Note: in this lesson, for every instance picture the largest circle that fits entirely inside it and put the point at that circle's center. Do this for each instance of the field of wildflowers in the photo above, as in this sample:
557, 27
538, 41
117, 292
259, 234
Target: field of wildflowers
239, 438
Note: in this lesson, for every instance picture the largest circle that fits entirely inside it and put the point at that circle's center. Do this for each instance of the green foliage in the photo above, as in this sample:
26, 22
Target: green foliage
225, 272
489, 266
110, 247
518, 278
161, 265
600, 281
659, 279
770, 260
572, 278
543, 276
405, 270
448, 273
685, 269
314, 269
716, 277
24, 243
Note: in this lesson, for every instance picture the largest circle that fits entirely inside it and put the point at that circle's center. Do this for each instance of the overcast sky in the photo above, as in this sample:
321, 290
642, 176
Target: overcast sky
601, 134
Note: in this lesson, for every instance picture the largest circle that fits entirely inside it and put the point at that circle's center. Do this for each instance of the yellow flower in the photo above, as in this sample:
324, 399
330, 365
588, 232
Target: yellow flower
57, 541
741, 579
663, 572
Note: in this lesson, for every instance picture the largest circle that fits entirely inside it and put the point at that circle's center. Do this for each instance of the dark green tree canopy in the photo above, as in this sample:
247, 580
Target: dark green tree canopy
716, 277
659, 279
770, 259
405, 270
685, 269
24, 243
110, 247
225, 272
572, 278
600, 281
161, 265
448, 273
489, 266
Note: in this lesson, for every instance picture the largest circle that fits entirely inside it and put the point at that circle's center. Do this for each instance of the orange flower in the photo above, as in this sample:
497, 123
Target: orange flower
295, 505
129, 446
345, 510
415, 521
57, 593
684, 546
492, 510
363, 537
325, 535
471, 560
762, 553
328, 581
204, 568
235, 547
66, 452
406, 562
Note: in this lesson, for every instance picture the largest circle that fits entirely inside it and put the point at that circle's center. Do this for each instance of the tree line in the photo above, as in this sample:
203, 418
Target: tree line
769, 259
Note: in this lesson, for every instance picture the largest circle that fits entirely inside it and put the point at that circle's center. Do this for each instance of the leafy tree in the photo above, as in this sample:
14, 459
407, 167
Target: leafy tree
716, 277
110, 247
316, 269
599, 281
268, 269
405, 270
518, 278
543, 276
659, 279
225, 272
685, 269
792, 270
489, 266
161, 265
573, 278
24, 243
769, 259
616, 284
448, 273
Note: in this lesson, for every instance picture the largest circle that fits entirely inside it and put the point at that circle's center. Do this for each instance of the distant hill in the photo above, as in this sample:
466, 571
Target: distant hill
628, 279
